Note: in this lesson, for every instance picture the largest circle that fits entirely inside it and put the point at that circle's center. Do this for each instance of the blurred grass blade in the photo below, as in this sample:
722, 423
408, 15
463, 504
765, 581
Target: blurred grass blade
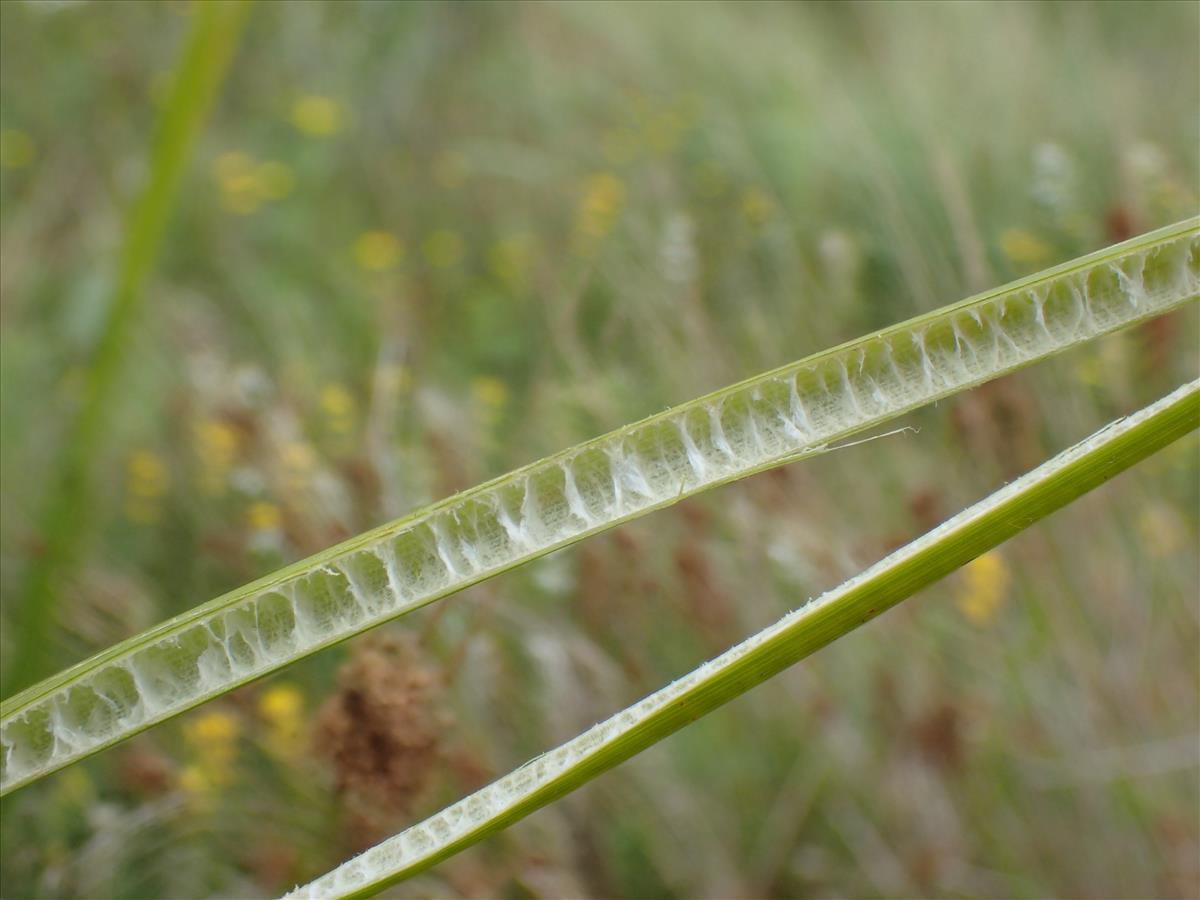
776, 417
996, 518
210, 45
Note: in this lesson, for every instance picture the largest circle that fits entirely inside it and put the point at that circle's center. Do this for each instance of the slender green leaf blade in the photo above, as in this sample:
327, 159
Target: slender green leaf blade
932, 556
768, 420
210, 46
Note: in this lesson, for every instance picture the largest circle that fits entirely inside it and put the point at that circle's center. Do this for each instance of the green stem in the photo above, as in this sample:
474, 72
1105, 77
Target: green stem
211, 43
955, 542
766, 421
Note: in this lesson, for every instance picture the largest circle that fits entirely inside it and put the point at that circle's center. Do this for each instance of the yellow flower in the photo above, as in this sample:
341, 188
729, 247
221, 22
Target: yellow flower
216, 729
281, 703
194, 781
443, 248
299, 461
217, 440
216, 447
317, 116
147, 480
213, 739
339, 408
247, 184
234, 172
1024, 247
17, 149
282, 707
336, 400
378, 251
148, 476
757, 207
603, 199
299, 457
490, 395
264, 516
983, 585
489, 392
202, 784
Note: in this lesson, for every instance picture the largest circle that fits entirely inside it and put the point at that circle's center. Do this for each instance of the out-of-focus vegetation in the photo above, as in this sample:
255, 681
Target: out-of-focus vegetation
422, 244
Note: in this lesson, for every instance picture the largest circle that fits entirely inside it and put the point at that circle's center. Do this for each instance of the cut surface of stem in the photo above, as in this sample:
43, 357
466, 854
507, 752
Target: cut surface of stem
835, 613
763, 422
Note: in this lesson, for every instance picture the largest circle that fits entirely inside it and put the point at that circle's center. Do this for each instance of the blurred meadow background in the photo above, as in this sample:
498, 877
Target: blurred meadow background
420, 244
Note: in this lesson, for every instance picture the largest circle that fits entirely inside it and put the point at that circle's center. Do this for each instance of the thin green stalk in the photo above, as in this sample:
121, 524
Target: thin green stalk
211, 42
774, 418
832, 615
